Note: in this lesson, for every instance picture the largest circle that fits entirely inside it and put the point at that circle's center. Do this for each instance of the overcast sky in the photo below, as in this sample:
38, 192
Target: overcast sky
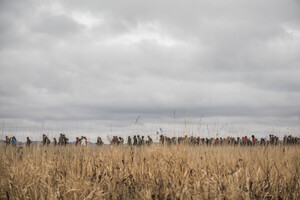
93, 67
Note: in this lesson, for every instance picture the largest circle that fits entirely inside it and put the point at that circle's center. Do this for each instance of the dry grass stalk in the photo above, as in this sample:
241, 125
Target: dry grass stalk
155, 172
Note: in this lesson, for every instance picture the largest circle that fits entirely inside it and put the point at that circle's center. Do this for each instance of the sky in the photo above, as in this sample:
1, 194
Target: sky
98, 68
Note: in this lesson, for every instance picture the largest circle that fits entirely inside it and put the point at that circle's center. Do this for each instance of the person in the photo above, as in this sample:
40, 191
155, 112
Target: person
271, 139
65, 140
77, 143
113, 141
253, 140
28, 142
276, 140
117, 141
207, 141
7, 140
134, 140
83, 141
142, 141
179, 140
54, 141
246, 141
129, 141
46, 140
60, 139
173, 140
168, 140
150, 141
198, 140
14, 141
162, 139
121, 140
99, 141
139, 141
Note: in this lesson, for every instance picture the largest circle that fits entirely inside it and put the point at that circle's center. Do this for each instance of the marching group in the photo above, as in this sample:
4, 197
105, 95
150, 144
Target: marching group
243, 141
164, 140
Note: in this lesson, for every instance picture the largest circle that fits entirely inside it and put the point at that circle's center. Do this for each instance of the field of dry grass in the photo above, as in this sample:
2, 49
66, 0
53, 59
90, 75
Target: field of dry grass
155, 172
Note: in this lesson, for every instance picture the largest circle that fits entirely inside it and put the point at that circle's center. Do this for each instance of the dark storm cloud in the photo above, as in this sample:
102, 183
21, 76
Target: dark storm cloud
107, 61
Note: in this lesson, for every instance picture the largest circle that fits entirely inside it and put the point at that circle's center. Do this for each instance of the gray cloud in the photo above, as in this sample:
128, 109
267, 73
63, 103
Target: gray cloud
56, 26
102, 63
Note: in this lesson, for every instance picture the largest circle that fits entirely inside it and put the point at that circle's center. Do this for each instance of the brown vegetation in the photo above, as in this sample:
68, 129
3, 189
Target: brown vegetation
154, 172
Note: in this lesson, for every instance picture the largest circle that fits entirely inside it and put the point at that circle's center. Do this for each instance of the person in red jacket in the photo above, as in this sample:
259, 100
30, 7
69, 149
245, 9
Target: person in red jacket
253, 140
246, 140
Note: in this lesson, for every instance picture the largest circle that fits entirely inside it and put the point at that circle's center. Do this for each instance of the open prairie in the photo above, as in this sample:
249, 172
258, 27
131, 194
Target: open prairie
150, 172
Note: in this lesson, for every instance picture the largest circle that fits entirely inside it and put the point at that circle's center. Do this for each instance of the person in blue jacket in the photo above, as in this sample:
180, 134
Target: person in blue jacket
14, 141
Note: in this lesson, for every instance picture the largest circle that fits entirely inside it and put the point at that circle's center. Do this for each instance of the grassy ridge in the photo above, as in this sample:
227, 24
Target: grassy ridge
155, 172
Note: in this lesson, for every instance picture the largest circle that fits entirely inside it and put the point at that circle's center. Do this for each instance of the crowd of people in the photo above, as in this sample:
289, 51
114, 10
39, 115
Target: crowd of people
11, 141
135, 140
81, 141
164, 140
241, 141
